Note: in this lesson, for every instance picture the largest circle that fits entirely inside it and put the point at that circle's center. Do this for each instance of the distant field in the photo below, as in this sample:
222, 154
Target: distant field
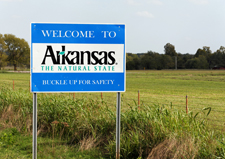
204, 88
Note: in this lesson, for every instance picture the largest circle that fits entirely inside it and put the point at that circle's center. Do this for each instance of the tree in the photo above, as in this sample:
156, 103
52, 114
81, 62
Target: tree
200, 52
149, 60
167, 62
132, 61
218, 57
3, 56
145, 61
170, 50
182, 59
197, 63
222, 49
18, 50
205, 51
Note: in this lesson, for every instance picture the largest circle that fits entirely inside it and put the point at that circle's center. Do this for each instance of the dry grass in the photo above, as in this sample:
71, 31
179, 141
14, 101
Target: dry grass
173, 149
8, 117
12, 119
88, 143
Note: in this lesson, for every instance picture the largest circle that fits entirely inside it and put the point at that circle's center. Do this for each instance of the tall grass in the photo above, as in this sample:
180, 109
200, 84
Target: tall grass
154, 131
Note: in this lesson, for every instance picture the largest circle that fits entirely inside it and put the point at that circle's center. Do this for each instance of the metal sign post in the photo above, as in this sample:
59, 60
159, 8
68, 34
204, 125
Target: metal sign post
118, 126
34, 125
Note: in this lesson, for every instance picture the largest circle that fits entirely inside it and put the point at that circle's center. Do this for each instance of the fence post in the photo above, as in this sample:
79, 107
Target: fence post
13, 84
101, 96
186, 104
138, 99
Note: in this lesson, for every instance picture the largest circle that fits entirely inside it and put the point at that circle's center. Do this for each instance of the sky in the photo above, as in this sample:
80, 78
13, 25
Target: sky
150, 24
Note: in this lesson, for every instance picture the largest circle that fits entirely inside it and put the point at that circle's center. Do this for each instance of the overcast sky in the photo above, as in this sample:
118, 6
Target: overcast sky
150, 24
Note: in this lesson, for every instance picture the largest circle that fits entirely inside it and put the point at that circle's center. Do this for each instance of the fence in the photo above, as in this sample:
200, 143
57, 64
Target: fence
185, 103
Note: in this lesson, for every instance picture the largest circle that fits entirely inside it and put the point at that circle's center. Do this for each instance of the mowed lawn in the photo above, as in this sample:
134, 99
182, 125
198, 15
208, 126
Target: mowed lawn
204, 88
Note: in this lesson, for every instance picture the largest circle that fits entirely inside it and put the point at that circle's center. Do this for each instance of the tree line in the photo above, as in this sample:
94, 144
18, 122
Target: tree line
13, 51
202, 59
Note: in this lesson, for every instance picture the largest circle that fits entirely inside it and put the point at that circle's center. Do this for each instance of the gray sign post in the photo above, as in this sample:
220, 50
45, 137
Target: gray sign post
118, 126
35, 126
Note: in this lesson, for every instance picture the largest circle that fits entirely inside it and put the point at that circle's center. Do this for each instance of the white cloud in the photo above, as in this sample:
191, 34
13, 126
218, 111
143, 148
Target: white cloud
201, 2
157, 2
145, 14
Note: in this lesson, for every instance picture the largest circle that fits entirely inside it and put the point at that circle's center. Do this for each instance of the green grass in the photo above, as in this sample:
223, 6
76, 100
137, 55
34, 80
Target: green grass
145, 132
204, 88
21, 80
85, 128
14, 145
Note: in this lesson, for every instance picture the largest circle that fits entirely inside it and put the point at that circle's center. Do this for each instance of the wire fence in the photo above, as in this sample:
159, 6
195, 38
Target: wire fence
186, 103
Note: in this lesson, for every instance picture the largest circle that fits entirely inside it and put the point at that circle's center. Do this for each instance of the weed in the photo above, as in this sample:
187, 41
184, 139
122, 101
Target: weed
83, 125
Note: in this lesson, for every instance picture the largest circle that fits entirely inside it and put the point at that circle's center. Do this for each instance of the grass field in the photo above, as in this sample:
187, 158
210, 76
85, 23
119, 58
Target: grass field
161, 89
204, 88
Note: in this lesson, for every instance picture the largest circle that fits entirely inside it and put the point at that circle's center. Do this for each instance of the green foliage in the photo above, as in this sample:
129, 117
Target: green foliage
203, 59
199, 62
86, 126
8, 138
170, 50
3, 56
218, 58
18, 50
182, 59
132, 61
200, 52
89, 126
152, 60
